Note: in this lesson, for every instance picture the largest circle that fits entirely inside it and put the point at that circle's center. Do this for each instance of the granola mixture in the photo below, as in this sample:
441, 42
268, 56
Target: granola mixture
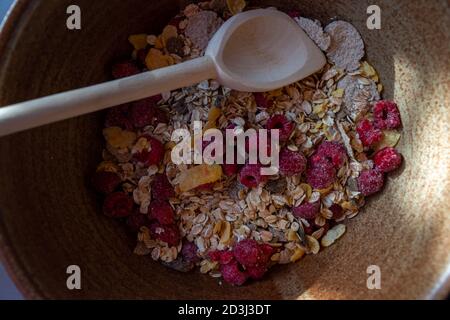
338, 144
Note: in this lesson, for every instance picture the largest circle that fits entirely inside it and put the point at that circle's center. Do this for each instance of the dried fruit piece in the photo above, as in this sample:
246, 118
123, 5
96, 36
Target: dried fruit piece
199, 175
370, 182
169, 234
142, 112
390, 139
387, 160
232, 274
292, 163
136, 221
138, 41
368, 133
125, 69
333, 152
282, 123
118, 138
156, 59
236, 6
162, 189
148, 151
175, 45
320, 174
118, 205
189, 252
262, 101
386, 115
307, 210
250, 254
162, 212
118, 117
347, 47
105, 182
250, 175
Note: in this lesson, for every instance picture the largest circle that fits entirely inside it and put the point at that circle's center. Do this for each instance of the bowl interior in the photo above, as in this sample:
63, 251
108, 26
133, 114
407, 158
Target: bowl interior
50, 218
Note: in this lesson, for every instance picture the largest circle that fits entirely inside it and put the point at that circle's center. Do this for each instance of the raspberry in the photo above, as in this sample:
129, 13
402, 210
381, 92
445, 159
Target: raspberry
334, 152
189, 252
162, 212
261, 101
223, 257
370, 182
118, 117
292, 163
124, 69
105, 182
230, 169
250, 175
152, 157
118, 205
249, 253
294, 14
337, 211
136, 221
386, 115
142, 112
162, 189
307, 210
169, 234
256, 272
232, 274
368, 134
321, 173
387, 159
283, 124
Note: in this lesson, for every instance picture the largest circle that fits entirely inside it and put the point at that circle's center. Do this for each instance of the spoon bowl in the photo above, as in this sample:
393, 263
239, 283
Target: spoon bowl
247, 51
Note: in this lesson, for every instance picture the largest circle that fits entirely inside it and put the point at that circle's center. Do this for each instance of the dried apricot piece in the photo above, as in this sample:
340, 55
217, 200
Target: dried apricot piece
138, 41
199, 175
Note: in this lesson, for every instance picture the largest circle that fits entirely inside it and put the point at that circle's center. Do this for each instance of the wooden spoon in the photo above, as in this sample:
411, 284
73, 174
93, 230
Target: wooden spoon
255, 51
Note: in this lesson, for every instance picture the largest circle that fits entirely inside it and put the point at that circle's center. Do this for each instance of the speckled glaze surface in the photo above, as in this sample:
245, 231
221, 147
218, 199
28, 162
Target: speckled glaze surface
50, 218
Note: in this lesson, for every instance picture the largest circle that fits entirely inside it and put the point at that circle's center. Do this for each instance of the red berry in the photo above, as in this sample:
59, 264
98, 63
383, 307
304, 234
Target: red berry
142, 112
125, 69
294, 14
307, 210
282, 123
321, 173
250, 175
386, 115
261, 100
232, 274
337, 210
230, 169
370, 182
189, 252
169, 234
292, 163
368, 134
387, 159
106, 182
162, 189
118, 117
151, 156
136, 221
333, 152
249, 253
257, 272
162, 212
118, 205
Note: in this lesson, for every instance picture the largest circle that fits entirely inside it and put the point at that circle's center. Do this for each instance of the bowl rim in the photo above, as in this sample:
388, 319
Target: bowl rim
11, 24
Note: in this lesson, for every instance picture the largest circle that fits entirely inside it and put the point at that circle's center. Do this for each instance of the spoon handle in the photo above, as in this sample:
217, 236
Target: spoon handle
34, 113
